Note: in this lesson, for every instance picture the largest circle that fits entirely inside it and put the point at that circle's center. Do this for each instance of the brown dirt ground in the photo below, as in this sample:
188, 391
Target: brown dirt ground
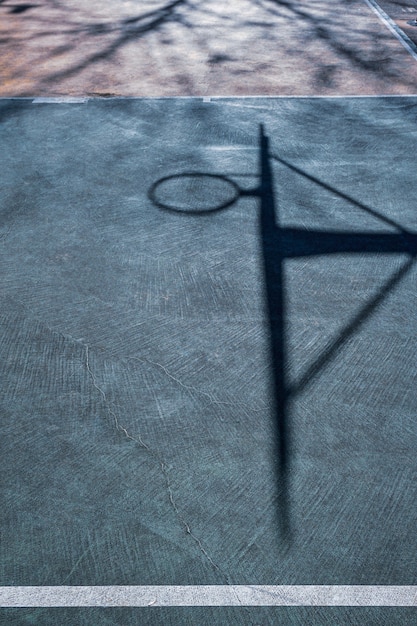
200, 48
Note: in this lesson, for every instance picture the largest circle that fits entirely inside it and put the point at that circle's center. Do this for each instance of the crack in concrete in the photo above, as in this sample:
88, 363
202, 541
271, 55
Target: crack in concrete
138, 440
163, 467
191, 388
107, 403
81, 557
5, 234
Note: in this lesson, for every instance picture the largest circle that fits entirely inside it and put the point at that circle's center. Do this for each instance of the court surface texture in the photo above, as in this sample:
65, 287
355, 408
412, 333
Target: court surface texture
208, 340
208, 318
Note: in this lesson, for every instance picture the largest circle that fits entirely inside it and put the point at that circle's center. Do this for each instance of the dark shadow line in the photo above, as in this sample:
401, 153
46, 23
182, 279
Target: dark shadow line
153, 195
275, 300
297, 242
349, 331
278, 244
161, 15
322, 29
161, 11
341, 194
17, 9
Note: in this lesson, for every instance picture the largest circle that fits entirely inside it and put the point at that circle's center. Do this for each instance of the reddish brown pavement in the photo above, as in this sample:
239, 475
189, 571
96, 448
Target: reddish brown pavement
404, 14
201, 48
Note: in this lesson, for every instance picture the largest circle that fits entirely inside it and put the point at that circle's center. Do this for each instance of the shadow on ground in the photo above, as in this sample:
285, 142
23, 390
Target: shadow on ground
278, 244
191, 47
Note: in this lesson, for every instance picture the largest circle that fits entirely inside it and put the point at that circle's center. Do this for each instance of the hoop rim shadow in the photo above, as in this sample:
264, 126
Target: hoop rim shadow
152, 193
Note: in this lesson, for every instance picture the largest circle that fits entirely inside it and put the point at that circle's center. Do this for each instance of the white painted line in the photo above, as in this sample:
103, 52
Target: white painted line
210, 595
315, 97
59, 100
409, 45
212, 98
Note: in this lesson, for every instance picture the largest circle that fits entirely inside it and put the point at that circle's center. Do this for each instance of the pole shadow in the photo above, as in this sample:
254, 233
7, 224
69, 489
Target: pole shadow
278, 244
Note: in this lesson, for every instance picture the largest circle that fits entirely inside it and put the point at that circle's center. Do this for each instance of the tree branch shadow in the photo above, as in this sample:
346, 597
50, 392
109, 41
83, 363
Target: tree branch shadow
87, 40
127, 30
335, 34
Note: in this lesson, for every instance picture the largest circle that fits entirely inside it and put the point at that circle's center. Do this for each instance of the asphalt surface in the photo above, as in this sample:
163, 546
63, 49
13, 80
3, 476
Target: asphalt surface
208, 350
404, 14
201, 47
208, 329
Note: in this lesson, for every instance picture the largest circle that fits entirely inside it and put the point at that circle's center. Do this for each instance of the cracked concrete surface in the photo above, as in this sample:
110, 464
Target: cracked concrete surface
162, 464
138, 422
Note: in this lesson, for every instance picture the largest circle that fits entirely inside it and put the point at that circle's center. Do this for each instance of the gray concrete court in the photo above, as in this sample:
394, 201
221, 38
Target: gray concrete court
197, 397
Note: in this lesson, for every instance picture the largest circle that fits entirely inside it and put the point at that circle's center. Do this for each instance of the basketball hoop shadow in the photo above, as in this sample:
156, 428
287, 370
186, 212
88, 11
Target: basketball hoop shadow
174, 192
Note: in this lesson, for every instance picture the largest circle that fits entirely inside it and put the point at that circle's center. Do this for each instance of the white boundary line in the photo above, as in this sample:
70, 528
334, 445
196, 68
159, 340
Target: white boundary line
409, 45
210, 595
205, 99
60, 100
